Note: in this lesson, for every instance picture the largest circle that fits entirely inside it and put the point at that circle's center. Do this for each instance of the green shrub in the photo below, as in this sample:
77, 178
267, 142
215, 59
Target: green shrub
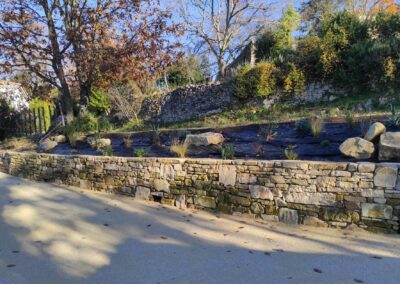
140, 152
259, 81
179, 148
350, 118
294, 82
104, 124
99, 102
303, 127
228, 152
316, 125
86, 123
290, 152
107, 150
39, 105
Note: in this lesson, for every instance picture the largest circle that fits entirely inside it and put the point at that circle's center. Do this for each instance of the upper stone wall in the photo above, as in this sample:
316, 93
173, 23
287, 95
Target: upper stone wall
187, 103
294, 192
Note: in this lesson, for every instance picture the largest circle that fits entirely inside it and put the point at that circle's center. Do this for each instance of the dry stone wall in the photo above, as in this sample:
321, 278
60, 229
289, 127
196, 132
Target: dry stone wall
188, 103
294, 192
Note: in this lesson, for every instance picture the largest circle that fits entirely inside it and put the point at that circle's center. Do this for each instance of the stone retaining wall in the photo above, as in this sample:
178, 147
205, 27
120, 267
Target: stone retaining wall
312, 193
188, 103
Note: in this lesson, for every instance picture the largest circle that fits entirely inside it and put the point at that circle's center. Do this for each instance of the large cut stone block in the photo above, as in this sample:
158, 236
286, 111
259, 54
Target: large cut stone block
161, 185
377, 211
261, 192
205, 201
227, 175
357, 148
385, 177
288, 216
313, 198
389, 146
142, 193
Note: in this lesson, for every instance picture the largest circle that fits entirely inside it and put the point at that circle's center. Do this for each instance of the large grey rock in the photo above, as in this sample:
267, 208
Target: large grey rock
59, 138
389, 146
357, 148
260, 192
374, 131
288, 216
99, 143
47, 145
204, 139
377, 211
385, 177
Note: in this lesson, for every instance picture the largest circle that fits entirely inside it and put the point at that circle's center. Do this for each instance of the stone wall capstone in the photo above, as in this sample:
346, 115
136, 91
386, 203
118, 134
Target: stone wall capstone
296, 192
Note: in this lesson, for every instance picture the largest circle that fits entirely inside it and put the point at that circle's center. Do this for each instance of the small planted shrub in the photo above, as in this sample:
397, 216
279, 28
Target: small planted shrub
325, 143
179, 148
140, 152
259, 81
228, 152
269, 131
290, 152
316, 125
155, 135
350, 118
259, 150
107, 150
94, 141
127, 140
303, 127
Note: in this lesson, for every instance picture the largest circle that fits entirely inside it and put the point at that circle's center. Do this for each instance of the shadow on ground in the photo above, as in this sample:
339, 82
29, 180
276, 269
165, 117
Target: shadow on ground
50, 234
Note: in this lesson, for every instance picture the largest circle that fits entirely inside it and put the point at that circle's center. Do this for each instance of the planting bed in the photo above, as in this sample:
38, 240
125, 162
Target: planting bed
248, 141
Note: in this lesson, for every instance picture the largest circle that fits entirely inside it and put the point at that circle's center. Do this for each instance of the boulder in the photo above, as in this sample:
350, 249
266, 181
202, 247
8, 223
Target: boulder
47, 145
314, 222
389, 146
357, 148
204, 139
59, 138
374, 131
99, 143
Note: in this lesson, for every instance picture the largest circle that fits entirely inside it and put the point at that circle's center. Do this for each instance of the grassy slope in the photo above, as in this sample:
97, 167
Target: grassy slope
250, 113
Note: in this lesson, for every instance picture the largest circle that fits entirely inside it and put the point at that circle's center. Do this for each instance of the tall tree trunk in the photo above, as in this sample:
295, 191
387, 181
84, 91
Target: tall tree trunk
85, 89
221, 70
67, 103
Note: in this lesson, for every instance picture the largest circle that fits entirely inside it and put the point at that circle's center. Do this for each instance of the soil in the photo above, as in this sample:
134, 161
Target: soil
249, 143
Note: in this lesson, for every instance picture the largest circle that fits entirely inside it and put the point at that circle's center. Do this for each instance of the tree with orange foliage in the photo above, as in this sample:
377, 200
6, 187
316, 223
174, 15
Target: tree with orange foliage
75, 44
367, 8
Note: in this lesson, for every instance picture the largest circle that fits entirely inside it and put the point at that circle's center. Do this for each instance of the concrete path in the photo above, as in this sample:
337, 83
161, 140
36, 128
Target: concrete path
50, 234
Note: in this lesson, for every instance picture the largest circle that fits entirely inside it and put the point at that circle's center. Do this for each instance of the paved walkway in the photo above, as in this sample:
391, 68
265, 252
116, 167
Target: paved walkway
50, 234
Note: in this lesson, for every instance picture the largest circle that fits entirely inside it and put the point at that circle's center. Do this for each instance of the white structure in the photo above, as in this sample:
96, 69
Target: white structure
14, 95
